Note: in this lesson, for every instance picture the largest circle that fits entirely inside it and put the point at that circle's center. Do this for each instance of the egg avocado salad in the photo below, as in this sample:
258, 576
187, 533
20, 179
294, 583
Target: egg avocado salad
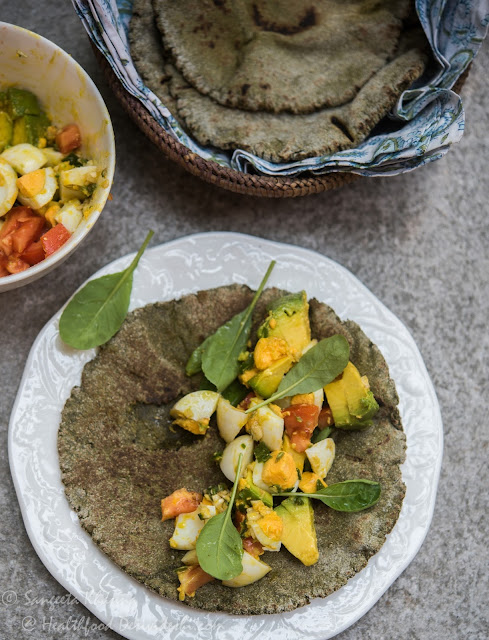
278, 417
45, 184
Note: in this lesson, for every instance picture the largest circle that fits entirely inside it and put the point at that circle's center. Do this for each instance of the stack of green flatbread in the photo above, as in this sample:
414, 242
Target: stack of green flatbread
281, 79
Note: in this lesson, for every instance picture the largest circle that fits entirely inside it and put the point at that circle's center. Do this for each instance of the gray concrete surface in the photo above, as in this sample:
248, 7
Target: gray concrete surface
419, 242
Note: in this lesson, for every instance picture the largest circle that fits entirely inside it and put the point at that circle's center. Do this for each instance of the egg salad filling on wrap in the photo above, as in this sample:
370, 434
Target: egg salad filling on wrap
307, 434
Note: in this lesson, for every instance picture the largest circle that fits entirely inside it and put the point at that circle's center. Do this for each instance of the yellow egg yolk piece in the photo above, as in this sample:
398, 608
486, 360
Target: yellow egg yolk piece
268, 350
280, 470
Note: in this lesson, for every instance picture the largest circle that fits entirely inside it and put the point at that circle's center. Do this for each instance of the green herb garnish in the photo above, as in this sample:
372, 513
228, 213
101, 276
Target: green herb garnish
262, 452
350, 495
219, 545
212, 491
97, 311
218, 355
75, 160
318, 367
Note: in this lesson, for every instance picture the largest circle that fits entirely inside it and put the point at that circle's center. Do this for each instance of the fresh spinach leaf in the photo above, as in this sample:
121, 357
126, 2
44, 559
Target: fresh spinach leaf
194, 363
220, 355
97, 311
350, 495
219, 545
235, 392
205, 385
321, 435
318, 367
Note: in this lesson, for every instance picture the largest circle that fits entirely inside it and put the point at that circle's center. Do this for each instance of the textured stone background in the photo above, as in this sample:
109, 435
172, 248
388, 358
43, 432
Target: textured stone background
419, 242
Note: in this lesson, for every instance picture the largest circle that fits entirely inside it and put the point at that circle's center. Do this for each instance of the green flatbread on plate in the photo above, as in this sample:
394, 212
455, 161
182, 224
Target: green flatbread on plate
119, 455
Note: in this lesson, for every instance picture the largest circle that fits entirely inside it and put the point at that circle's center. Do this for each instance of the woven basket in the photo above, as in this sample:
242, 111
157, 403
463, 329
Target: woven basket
253, 185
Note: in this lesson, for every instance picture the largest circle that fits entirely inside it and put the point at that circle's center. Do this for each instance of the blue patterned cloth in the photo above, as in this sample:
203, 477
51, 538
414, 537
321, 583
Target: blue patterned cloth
430, 118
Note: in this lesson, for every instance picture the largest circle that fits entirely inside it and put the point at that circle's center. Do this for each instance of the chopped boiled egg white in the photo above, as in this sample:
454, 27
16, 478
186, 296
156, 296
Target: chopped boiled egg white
267, 425
24, 158
8, 187
318, 398
253, 570
70, 215
37, 188
265, 525
230, 456
52, 156
258, 477
208, 510
71, 181
187, 529
190, 558
321, 456
193, 411
230, 420
79, 176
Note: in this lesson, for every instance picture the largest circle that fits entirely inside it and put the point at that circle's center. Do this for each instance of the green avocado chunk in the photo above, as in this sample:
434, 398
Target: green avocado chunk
26, 129
352, 403
29, 128
266, 382
299, 532
288, 318
6, 129
22, 103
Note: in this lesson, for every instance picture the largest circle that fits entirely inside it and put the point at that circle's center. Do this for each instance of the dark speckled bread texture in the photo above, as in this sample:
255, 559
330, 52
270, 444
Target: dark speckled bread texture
119, 456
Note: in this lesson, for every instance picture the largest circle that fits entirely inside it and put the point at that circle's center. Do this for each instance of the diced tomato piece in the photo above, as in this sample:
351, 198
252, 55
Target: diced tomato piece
253, 547
245, 402
3, 265
180, 501
6, 244
34, 253
28, 231
13, 220
53, 239
13, 217
16, 265
239, 518
300, 421
69, 138
325, 418
192, 579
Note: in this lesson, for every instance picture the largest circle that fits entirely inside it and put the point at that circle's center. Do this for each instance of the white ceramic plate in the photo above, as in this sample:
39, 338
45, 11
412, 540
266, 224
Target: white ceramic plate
169, 271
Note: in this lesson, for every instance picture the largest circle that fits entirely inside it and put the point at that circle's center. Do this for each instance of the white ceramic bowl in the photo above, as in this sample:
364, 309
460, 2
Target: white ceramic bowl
68, 95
